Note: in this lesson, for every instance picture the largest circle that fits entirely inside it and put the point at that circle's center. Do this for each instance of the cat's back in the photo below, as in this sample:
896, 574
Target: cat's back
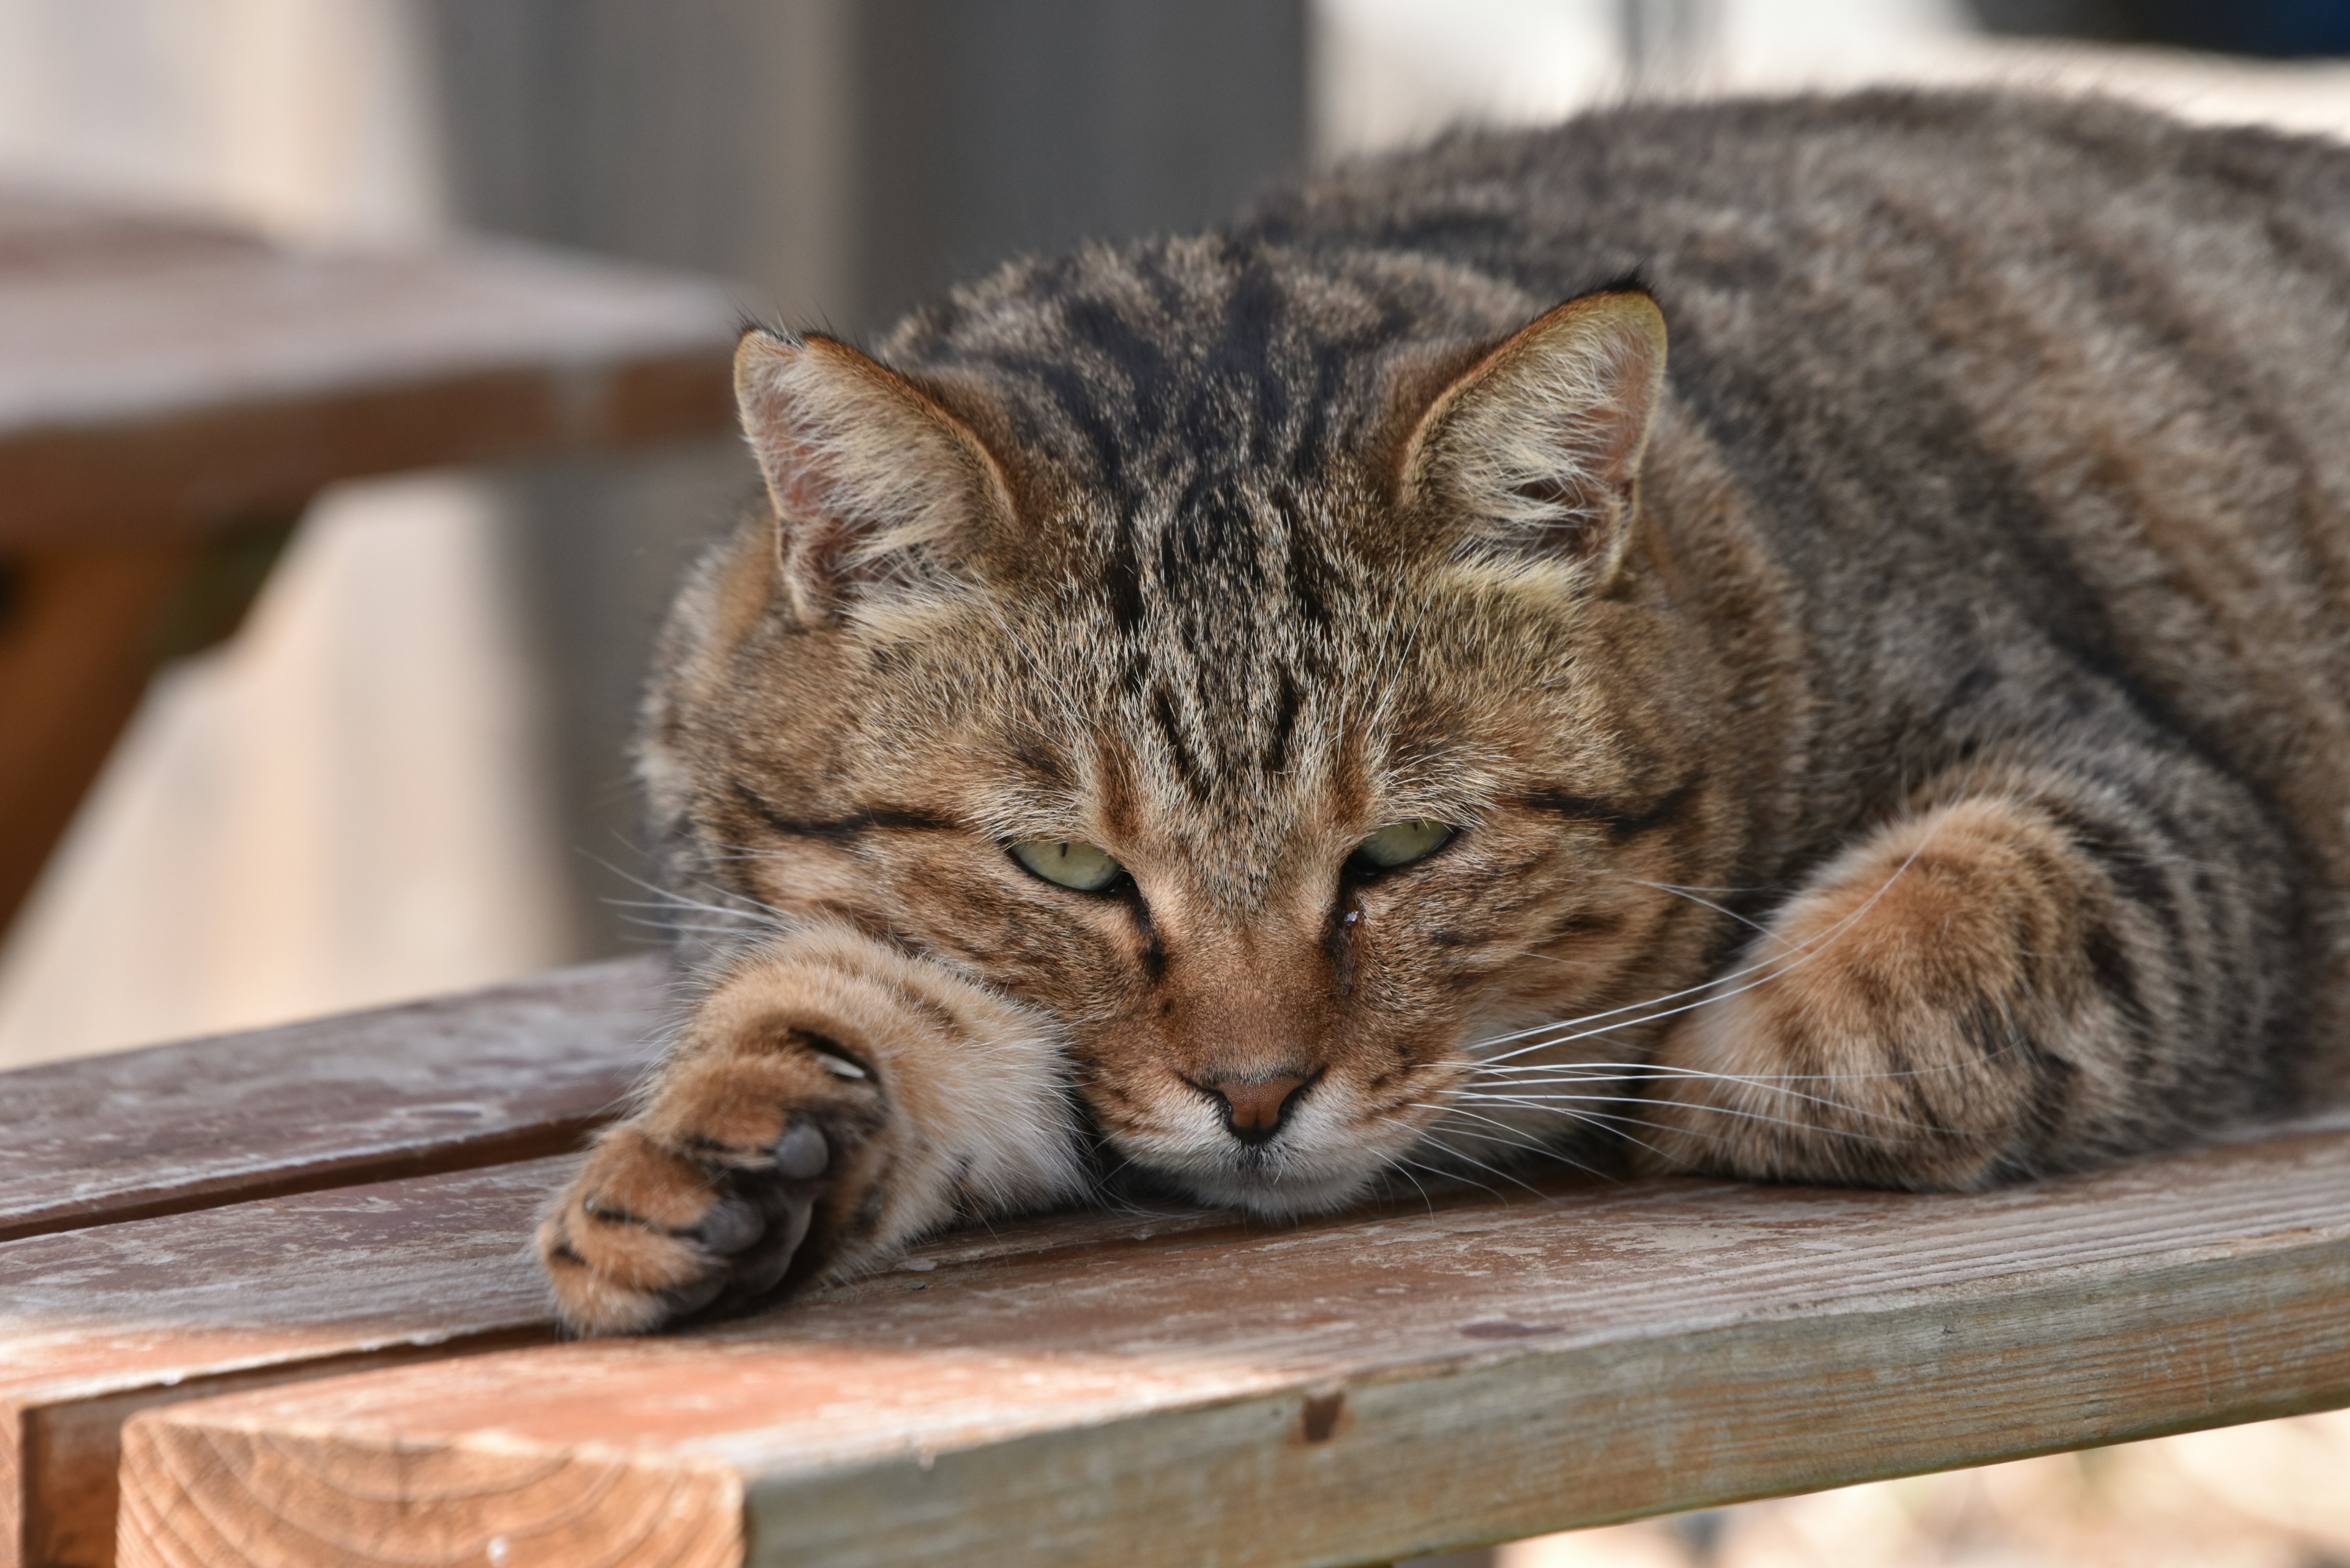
2065, 356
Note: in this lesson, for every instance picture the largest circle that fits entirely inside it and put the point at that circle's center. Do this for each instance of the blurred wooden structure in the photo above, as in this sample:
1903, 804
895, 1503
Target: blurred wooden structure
173, 392
273, 1287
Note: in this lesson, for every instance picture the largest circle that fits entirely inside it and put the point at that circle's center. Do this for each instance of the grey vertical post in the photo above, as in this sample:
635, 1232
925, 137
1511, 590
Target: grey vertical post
841, 160
987, 130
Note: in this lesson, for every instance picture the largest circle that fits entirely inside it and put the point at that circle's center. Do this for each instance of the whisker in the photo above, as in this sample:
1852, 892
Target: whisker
1518, 1139
1693, 898
1818, 944
1546, 1102
1490, 1169
1634, 1071
1442, 1175
1415, 1182
1614, 1126
1544, 1149
1740, 1081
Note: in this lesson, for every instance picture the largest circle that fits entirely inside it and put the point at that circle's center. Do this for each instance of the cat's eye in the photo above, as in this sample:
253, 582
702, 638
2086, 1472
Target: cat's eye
1067, 863
1401, 843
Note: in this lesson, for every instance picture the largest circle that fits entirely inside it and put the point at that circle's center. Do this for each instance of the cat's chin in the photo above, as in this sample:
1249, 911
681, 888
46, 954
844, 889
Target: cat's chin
1286, 1196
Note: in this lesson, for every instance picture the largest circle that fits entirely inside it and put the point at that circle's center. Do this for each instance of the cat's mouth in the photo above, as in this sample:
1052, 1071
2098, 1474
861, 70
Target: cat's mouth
1327, 1155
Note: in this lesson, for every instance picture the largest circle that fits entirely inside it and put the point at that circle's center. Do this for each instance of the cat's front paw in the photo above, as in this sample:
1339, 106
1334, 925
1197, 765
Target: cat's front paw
704, 1200
1923, 1015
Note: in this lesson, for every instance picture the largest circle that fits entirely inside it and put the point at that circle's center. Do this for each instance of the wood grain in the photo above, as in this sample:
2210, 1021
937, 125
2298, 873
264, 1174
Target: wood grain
512, 1073
97, 1325
1339, 1392
164, 376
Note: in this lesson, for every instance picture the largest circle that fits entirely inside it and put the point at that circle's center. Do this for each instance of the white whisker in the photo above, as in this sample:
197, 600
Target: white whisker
1816, 946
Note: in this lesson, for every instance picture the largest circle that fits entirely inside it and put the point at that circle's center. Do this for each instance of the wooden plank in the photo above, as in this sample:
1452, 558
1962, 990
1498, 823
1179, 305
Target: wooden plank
163, 377
512, 1073
96, 1324
48, 229
1338, 1391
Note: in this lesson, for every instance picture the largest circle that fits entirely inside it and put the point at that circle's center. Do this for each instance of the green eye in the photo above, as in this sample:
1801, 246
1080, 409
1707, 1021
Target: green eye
1401, 843
1068, 862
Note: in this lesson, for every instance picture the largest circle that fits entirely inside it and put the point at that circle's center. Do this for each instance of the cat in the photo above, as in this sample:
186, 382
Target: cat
1807, 639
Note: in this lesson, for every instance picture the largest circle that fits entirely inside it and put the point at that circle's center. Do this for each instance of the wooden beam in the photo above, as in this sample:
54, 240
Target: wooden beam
1341, 1391
486, 1078
168, 382
165, 379
81, 629
78, 640
96, 1324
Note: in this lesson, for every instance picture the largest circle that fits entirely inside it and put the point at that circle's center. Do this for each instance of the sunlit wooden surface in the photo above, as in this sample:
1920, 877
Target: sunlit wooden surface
322, 1359
1343, 1391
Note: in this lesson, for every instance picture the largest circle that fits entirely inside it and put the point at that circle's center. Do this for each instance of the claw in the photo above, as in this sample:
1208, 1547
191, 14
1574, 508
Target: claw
731, 1226
691, 1298
761, 1268
801, 1153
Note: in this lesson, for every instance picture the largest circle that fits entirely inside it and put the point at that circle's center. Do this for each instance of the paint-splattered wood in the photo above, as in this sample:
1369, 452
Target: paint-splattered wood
1342, 1392
509, 1074
161, 375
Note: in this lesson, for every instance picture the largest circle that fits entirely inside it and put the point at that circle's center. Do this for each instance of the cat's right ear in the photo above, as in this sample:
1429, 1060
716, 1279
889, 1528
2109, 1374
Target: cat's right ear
1530, 460
881, 494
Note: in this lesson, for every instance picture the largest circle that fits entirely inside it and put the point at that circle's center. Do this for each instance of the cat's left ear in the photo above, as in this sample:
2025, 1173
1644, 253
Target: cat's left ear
884, 499
1532, 457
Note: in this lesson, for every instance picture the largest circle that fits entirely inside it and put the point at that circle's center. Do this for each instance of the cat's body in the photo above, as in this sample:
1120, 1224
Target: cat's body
1903, 743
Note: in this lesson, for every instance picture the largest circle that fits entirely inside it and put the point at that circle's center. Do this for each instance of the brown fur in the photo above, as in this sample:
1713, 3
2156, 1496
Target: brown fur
1897, 736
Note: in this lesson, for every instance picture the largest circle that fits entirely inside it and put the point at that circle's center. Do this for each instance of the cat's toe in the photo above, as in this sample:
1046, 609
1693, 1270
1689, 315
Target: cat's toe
642, 1236
759, 1225
648, 1235
732, 1225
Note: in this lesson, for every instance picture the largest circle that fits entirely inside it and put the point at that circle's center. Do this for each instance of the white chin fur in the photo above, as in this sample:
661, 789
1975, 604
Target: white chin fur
1324, 1159
1281, 1197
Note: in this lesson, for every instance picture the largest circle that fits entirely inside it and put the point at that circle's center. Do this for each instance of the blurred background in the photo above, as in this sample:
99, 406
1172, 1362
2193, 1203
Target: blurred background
406, 773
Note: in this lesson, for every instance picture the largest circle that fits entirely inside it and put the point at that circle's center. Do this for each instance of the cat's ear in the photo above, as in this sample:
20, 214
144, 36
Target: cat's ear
881, 494
1532, 457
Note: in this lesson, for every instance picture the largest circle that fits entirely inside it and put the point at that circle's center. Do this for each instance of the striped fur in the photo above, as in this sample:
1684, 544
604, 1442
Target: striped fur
1904, 745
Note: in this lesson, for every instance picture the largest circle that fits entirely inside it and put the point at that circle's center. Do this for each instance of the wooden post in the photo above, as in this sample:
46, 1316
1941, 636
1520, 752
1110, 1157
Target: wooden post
78, 630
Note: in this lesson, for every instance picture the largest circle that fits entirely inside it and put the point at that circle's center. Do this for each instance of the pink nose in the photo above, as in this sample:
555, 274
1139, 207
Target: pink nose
1254, 1108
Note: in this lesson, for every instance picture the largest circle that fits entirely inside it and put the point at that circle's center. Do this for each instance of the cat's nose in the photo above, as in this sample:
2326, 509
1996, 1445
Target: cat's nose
1254, 1108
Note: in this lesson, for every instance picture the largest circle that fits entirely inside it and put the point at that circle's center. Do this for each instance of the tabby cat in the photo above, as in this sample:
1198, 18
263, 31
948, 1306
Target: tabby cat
1282, 709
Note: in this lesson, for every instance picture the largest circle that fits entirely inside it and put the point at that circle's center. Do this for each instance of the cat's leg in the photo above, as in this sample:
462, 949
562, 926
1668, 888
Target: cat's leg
2032, 967
829, 1101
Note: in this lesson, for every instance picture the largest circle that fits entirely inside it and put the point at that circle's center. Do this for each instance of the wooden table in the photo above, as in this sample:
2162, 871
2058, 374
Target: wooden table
172, 393
267, 1303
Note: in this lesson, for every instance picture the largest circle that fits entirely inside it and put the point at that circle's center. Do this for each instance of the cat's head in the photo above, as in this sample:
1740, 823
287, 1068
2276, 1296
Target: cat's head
1247, 663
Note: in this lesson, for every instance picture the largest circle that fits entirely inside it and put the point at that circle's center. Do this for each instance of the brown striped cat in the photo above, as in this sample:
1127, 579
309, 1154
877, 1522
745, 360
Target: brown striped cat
1284, 709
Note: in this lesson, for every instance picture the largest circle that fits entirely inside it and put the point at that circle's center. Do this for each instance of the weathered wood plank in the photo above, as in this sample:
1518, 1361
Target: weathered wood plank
95, 1324
509, 1074
1339, 1392
163, 375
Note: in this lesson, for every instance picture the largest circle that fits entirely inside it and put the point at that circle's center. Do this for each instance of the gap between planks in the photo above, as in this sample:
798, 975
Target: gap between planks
486, 1078
97, 1325
1337, 1392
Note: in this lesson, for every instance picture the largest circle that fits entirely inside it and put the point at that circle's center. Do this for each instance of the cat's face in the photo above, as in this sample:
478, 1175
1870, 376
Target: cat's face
1284, 792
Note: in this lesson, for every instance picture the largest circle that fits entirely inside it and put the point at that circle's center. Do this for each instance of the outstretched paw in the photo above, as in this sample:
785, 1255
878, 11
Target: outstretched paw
700, 1203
